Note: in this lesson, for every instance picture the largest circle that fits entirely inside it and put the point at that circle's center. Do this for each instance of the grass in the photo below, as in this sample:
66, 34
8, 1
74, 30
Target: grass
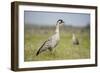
34, 38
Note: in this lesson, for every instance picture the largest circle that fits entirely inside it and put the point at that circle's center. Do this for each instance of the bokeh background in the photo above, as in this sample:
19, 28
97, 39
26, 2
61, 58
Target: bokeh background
39, 26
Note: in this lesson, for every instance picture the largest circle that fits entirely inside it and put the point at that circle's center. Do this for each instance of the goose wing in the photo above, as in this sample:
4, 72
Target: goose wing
44, 46
48, 44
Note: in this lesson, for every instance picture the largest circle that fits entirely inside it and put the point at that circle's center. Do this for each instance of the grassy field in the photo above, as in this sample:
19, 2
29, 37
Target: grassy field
35, 36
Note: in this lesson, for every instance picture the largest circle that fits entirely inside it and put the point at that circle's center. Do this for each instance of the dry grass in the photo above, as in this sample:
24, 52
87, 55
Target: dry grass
35, 37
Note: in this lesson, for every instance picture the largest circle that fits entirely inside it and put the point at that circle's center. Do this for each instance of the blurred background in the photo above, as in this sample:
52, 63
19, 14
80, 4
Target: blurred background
39, 26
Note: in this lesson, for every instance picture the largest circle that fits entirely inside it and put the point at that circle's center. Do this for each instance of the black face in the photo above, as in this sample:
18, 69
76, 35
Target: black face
60, 21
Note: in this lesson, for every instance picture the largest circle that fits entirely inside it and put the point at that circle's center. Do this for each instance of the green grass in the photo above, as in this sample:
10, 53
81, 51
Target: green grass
64, 50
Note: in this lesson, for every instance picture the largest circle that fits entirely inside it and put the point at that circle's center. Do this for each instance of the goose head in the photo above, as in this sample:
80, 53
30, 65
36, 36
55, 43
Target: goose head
60, 22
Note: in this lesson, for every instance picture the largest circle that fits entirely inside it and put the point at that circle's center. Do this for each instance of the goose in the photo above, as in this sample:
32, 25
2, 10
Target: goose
52, 41
75, 40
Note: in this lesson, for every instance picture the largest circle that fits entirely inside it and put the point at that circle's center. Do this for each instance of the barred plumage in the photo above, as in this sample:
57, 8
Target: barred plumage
52, 41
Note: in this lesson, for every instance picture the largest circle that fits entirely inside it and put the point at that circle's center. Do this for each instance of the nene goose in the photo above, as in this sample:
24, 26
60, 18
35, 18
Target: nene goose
75, 40
52, 41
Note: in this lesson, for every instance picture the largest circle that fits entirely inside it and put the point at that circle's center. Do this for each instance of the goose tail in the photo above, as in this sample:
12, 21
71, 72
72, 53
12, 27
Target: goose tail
37, 52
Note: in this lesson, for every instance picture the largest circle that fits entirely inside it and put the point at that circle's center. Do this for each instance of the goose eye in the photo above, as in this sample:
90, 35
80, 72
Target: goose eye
60, 22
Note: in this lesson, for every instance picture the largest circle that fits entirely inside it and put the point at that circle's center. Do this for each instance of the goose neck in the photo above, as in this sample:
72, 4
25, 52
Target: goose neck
57, 28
